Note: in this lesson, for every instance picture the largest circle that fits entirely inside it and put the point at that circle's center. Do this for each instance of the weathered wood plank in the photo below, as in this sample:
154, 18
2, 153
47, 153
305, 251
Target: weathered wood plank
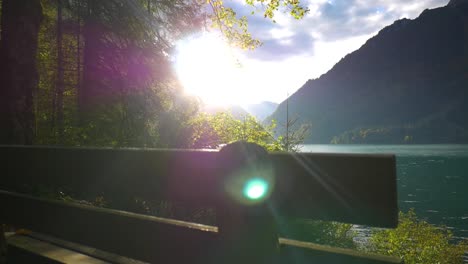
116, 173
136, 236
69, 252
50, 253
148, 238
293, 251
358, 189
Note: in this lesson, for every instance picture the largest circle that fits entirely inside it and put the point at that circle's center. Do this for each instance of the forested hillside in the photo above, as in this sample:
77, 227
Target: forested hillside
102, 73
408, 84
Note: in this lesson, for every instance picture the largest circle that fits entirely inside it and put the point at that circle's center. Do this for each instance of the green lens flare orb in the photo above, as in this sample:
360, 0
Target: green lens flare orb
255, 189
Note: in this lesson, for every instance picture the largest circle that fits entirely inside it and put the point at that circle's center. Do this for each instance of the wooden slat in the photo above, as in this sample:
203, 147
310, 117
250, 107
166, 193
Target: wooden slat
46, 252
293, 252
69, 252
145, 238
359, 189
115, 173
299, 252
352, 188
151, 239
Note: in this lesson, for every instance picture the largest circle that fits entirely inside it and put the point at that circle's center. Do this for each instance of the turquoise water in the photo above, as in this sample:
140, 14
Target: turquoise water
432, 179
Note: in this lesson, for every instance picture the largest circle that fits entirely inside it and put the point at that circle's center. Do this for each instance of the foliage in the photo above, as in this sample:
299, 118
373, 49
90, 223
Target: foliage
294, 135
416, 241
18, 74
235, 28
438, 129
362, 135
118, 86
212, 131
321, 232
131, 82
45, 97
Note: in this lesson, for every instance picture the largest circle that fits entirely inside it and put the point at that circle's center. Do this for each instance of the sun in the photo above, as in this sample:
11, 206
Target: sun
209, 69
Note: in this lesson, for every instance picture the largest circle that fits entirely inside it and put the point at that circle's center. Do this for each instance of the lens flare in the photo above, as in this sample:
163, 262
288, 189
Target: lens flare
250, 186
255, 188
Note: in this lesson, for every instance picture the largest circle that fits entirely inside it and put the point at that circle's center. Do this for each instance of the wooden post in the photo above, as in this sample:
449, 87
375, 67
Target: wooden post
246, 225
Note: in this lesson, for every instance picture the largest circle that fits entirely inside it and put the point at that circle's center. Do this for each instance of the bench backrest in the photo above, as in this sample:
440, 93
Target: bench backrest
359, 189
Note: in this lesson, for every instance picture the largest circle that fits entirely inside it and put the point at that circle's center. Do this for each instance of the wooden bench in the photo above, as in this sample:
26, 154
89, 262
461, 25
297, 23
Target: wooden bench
358, 189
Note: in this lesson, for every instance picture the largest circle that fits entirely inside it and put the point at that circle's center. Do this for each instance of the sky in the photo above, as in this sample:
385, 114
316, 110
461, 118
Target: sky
295, 51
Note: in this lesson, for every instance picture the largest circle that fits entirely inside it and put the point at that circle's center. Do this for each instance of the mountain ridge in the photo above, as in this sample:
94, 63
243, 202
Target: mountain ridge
261, 110
407, 84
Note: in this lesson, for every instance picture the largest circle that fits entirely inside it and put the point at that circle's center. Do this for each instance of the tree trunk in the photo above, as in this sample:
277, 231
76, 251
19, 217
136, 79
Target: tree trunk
59, 88
78, 51
91, 62
18, 73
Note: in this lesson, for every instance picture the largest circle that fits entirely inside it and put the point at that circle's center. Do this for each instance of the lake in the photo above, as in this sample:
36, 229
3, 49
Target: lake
432, 179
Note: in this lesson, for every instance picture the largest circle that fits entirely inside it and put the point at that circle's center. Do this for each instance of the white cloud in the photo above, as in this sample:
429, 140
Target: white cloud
279, 33
295, 51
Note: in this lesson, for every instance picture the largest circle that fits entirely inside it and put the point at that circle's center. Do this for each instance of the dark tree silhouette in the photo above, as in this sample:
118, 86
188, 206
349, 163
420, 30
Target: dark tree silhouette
60, 83
18, 74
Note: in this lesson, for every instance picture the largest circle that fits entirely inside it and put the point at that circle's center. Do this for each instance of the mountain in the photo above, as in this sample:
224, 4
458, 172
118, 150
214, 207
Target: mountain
236, 111
261, 110
407, 84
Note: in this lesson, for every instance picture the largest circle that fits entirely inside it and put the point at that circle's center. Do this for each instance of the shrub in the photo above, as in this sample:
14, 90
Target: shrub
416, 241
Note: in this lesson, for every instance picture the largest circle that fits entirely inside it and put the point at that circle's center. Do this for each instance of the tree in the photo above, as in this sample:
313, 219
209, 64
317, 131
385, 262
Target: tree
235, 28
321, 232
213, 131
20, 21
103, 66
59, 89
125, 43
295, 134
18, 73
121, 98
416, 241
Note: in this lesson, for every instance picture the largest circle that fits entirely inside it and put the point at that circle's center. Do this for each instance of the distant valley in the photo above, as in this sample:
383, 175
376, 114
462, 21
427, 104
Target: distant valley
259, 110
